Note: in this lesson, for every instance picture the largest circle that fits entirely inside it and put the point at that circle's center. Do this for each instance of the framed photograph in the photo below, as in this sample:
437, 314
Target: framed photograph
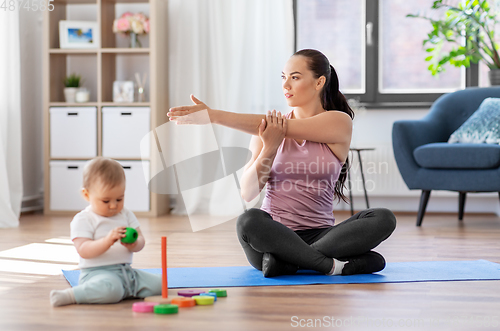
123, 91
79, 34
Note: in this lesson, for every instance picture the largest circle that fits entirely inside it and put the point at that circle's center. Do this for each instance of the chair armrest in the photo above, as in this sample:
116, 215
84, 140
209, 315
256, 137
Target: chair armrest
406, 136
417, 132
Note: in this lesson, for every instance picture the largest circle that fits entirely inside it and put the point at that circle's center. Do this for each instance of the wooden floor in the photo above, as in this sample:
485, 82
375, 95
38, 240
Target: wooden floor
28, 272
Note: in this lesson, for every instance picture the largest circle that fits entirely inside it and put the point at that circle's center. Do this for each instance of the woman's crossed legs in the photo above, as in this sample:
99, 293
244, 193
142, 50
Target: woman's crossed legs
314, 249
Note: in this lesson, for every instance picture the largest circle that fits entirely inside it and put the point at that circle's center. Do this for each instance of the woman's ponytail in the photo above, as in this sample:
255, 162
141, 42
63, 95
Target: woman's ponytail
333, 98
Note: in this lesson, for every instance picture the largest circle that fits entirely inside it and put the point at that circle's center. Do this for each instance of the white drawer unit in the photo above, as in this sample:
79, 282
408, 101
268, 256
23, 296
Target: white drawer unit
73, 132
122, 131
66, 179
136, 191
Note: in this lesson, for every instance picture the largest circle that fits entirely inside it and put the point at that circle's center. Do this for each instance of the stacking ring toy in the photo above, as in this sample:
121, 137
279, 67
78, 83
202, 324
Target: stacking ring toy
189, 293
143, 307
204, 300
209, 294
183, 302
219, 292
166, 309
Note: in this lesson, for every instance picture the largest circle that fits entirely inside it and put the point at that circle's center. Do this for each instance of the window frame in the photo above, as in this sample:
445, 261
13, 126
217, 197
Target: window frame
373, 98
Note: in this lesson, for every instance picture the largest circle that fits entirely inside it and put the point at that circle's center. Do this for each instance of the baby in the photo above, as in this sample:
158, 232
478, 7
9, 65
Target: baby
96, 231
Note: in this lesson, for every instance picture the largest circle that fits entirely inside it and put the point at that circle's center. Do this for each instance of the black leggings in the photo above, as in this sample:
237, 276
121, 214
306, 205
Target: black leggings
312, 249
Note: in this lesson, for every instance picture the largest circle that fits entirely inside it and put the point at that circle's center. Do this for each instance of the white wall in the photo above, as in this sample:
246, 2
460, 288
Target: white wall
30, 31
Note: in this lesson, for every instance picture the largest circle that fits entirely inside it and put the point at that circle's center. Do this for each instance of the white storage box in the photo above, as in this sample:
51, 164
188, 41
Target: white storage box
122, 131
66, 179
136, 191
73, 132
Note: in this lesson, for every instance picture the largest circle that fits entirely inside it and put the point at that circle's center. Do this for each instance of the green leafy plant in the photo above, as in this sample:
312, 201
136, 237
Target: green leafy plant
471, 26
72, 80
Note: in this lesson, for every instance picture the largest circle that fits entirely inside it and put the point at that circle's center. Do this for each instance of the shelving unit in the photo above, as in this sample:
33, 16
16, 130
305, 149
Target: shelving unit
99, 68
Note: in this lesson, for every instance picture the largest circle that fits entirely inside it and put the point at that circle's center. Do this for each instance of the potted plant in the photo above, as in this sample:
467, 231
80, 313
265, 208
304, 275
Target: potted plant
71, 83
470, 26
133, 25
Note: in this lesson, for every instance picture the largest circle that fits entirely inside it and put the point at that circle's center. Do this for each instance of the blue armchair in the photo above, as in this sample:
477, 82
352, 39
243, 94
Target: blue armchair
427, 162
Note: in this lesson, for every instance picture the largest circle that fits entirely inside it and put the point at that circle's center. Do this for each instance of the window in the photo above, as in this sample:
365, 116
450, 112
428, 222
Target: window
377, 51
337, 28
483, 68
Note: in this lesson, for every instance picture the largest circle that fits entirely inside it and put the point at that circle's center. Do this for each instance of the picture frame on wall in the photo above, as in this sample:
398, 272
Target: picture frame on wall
123, 91
79, 34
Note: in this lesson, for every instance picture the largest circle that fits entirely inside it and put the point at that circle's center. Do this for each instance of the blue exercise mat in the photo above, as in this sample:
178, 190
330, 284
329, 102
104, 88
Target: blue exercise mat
396, 272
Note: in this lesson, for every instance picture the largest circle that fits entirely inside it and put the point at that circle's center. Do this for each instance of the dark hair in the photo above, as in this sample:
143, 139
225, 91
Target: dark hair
331, 99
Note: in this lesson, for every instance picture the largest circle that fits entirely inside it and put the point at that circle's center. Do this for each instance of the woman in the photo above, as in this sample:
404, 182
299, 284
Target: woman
302, 158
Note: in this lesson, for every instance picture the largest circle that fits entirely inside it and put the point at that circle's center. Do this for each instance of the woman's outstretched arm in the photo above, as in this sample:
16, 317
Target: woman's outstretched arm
329, 127
248, 123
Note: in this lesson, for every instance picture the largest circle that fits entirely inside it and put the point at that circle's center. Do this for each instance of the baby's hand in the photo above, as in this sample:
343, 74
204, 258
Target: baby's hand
116, 234
130, 247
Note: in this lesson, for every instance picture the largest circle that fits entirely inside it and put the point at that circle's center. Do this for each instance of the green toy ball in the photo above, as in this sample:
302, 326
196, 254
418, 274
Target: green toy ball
130, 236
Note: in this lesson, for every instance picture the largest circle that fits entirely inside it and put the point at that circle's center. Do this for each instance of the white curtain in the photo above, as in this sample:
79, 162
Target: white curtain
229, 54
11, 187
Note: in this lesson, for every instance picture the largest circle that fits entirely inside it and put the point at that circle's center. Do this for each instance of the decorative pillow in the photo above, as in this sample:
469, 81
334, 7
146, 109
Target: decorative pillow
482, 127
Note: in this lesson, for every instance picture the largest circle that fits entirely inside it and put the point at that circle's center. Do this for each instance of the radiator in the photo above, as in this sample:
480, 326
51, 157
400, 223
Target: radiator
382, 177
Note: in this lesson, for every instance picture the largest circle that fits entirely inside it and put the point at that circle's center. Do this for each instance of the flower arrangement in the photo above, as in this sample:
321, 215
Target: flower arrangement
131, 23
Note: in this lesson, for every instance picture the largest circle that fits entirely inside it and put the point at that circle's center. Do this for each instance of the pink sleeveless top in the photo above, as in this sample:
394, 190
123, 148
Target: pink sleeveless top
299, 192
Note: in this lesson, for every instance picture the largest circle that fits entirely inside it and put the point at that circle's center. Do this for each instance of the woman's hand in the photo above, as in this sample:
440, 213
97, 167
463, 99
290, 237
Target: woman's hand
194, 114
272, 131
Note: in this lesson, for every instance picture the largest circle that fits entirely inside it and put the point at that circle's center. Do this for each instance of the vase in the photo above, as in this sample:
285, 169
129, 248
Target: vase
82, 95
69, 94
494, 75
134, 40
140, 95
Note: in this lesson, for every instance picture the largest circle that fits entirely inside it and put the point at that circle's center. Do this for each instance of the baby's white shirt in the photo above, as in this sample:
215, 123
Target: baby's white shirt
87, 224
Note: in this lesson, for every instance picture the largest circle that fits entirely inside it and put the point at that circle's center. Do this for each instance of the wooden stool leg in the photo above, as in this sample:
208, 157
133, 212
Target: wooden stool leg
349, 186
363, 179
